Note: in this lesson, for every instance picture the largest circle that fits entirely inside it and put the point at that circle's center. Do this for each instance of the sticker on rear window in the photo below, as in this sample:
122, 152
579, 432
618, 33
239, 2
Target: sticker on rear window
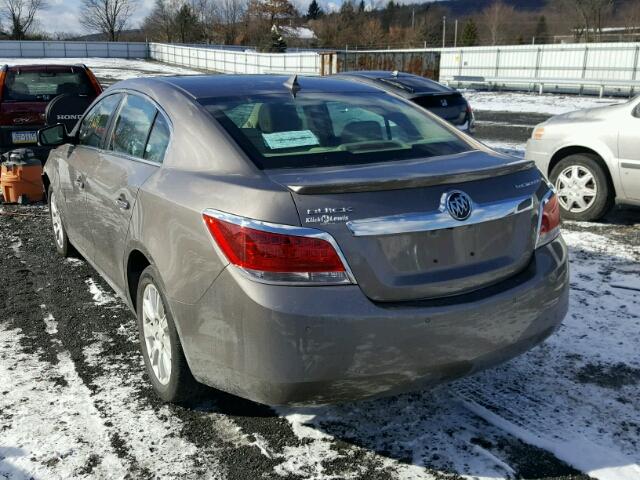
290, 139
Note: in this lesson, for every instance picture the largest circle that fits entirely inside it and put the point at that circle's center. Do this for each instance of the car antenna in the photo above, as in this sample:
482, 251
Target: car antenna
292, 84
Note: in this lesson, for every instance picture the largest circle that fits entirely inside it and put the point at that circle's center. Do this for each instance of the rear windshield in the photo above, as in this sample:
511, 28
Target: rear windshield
321, 129
30, 86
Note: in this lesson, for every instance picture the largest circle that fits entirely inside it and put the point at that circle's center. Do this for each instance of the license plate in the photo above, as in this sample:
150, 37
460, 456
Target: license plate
24, 137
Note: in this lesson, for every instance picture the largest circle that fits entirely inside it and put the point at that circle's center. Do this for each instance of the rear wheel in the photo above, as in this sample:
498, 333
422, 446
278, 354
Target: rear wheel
61, 239
583, 188
161, 349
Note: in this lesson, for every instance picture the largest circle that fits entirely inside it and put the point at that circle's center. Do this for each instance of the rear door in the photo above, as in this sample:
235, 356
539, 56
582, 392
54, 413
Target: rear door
133, 152
75, 171
629, 153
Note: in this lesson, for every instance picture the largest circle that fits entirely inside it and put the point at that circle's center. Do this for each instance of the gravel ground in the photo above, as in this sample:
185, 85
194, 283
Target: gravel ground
75, 403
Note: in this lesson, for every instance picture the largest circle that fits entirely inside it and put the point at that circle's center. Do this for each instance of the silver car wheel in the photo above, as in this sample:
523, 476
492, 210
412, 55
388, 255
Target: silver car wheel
156, 334
56, 222
576, 188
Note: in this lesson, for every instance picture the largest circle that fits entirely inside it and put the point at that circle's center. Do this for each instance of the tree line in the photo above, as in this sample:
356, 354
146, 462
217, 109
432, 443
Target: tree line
274, 25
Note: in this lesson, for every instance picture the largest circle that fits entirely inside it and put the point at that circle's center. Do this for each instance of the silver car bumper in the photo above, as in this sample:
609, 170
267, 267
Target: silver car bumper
539, 152
314, 345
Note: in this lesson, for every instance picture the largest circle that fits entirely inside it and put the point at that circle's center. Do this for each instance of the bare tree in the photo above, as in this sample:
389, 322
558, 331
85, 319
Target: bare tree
21, 15
109, 17
159, 23
496, 17
230, 14
589, 17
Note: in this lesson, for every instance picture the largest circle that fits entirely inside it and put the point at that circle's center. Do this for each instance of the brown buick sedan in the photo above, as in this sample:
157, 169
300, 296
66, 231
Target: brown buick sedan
305, 240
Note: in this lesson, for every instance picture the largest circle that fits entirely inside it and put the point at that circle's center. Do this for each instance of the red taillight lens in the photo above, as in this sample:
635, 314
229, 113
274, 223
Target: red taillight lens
97, 88
3, 75
550, 220
277, 256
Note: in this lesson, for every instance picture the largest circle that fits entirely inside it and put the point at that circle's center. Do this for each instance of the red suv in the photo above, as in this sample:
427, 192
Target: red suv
25, 92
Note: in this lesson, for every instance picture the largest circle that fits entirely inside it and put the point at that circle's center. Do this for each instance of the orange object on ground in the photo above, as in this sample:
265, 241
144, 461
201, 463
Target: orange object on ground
21, 177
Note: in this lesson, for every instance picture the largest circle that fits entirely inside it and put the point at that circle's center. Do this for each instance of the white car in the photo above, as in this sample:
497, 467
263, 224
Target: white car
592, 157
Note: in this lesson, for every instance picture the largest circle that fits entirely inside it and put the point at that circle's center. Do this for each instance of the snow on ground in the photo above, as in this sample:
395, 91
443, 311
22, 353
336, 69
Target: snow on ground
533, 103
109, 70
515, 149
577, 395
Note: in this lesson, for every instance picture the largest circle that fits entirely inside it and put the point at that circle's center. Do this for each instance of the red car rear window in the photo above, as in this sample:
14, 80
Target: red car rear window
44, 85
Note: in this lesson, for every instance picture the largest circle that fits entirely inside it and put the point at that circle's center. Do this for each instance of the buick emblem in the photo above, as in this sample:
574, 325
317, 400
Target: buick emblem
458, 204
444, 102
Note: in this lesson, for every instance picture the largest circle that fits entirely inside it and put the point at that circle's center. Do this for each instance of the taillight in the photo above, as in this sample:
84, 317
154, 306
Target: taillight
277, 253
94, 82
549, 219
3, 75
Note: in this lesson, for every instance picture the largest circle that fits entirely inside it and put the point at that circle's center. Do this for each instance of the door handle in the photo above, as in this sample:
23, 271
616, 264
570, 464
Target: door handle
122, 203
79, 182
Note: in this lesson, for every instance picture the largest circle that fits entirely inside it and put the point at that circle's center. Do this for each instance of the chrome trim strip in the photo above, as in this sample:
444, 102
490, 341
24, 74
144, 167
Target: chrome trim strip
635, 166
438, 219
285, 230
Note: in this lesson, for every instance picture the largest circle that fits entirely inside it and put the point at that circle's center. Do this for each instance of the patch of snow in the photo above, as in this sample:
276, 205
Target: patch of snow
519, 102
110, 68
100, 297
15, 245
50, 427
538, 398
515, 149
74, 262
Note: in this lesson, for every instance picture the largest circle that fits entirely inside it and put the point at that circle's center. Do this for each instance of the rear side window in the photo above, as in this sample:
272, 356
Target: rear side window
158, 140
132, 126
95, 123
325, 129
33, 86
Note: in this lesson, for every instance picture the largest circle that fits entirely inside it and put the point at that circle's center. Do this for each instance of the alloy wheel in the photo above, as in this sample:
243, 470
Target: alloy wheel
576, 188
56, 222
156, 334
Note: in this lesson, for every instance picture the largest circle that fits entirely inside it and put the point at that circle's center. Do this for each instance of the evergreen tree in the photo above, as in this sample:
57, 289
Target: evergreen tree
315, 11
469, 34
388, 15
542, 31
187, 24
278, 45
361, 6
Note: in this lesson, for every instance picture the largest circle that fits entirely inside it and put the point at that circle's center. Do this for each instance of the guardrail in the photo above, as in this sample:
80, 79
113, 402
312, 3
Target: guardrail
69, 49
609, 67
232, 61
540, 83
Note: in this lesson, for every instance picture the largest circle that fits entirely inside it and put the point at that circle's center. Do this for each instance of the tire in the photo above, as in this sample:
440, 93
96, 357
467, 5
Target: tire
591, 196
170, 375
60, 238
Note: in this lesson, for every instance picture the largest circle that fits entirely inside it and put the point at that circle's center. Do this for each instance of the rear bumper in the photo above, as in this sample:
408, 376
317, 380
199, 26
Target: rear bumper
310, 345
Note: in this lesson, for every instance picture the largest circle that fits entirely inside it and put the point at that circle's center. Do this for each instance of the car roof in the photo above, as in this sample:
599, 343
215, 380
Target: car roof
213, 86
401, 82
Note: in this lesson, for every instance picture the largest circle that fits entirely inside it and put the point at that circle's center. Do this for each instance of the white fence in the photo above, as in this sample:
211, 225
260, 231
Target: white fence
613, 62
58, 49
227, 61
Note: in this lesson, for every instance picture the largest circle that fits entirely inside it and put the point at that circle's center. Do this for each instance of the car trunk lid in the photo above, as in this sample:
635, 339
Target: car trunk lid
400, 245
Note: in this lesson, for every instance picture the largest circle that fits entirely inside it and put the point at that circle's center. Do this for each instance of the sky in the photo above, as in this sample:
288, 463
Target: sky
63, 16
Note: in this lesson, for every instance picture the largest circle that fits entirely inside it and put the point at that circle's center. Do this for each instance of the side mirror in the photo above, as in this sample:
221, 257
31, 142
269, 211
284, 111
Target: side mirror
53, 136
